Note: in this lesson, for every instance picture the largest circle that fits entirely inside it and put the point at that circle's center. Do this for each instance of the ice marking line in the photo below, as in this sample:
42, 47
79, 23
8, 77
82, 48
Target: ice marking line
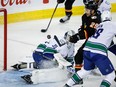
22, 42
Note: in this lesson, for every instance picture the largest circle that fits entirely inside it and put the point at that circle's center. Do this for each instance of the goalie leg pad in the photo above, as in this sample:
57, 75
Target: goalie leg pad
55, 75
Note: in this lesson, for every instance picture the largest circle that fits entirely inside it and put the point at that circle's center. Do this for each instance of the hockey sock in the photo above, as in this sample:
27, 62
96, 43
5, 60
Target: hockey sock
105, 83
77, 79
78, 67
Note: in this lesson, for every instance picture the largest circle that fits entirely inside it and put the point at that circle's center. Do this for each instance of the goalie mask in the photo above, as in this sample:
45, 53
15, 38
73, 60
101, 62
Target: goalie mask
68, 34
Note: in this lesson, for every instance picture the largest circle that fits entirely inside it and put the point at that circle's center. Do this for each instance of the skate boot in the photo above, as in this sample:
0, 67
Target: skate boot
71, 69
27, 78
16, 66
66, 85
77, 83
66, 18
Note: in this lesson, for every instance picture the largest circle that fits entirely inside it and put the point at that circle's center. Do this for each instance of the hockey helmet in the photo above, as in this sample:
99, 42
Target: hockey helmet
106, 16
92, 6
68, 34
88, 1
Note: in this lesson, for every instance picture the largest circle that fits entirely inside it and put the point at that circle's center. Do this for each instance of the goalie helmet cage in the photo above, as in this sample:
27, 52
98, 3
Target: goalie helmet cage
3, 17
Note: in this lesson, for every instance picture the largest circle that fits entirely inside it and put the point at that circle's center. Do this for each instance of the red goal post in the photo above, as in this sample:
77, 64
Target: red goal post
4, 16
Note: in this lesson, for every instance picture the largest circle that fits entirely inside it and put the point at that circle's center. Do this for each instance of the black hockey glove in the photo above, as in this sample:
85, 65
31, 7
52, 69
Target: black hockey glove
60, 1
74, 38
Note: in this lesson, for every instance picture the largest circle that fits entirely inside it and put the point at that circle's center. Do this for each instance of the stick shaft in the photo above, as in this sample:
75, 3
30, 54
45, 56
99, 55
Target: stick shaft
52, 17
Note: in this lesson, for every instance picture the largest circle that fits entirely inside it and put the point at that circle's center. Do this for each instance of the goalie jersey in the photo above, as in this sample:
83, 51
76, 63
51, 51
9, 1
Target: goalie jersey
55, 45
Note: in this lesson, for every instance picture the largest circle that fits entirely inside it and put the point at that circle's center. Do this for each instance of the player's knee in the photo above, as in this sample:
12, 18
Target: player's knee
48, 56
110, 77
37, 56
83, 73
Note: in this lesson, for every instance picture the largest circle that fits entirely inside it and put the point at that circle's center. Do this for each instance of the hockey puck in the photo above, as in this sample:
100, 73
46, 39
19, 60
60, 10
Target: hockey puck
49, 36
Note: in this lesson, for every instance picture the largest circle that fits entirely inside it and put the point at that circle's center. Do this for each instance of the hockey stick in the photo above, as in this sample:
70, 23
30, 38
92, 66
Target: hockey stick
44, 30
56, 38
61, 60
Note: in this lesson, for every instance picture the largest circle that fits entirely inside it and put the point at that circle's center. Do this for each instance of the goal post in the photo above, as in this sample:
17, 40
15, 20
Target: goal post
3, 21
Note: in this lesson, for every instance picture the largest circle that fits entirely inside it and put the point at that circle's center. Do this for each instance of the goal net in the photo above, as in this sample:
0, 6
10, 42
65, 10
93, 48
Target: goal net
3, 39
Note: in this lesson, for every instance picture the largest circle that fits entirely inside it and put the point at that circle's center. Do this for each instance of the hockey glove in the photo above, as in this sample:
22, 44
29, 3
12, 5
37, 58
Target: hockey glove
74, 38
60, 1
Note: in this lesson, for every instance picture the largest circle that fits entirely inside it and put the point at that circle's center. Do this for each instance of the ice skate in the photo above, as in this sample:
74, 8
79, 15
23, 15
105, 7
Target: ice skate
77, 83
71, 69
27, 78
66, 18
66, 85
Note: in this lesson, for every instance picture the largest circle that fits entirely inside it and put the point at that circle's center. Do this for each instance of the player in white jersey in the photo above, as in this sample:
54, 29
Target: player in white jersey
45, 51
103, 5
95, 53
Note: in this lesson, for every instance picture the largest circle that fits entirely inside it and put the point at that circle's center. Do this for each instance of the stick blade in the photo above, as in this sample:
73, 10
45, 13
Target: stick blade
43, 30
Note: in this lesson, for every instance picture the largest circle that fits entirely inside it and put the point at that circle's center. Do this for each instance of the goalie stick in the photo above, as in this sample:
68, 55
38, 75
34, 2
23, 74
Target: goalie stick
57, 40
61, 60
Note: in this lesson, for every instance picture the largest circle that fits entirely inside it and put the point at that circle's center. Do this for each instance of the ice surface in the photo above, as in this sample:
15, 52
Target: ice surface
23, 38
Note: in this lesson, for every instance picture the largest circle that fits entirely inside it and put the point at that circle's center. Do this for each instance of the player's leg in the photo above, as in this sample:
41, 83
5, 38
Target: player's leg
19, 66
106, 68
38, 57
68, 10
78, 60
77, 77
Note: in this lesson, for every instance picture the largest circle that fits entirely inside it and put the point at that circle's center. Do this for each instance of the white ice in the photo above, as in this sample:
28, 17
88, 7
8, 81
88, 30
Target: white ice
23, 38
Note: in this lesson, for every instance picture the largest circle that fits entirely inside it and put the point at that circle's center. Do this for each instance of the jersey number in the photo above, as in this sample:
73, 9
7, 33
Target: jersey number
55, 46
97, 33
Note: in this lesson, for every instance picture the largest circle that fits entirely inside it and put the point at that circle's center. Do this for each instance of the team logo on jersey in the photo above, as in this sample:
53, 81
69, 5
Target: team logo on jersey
94, 17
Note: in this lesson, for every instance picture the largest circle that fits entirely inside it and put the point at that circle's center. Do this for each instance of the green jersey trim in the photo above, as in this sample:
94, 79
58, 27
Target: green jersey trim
41, 46
96, 46
50, 50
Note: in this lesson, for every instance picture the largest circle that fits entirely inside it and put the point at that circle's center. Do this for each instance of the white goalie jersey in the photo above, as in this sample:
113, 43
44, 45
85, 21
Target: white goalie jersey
66, 49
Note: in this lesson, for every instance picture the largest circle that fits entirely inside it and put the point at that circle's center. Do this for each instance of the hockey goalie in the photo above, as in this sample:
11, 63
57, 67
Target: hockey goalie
50, 60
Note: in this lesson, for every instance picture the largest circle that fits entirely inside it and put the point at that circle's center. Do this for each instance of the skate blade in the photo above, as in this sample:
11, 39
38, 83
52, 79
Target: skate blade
27, 79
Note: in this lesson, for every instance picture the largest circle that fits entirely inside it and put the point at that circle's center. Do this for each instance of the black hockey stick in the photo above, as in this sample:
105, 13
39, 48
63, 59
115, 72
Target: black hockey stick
44, 30
57, 40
